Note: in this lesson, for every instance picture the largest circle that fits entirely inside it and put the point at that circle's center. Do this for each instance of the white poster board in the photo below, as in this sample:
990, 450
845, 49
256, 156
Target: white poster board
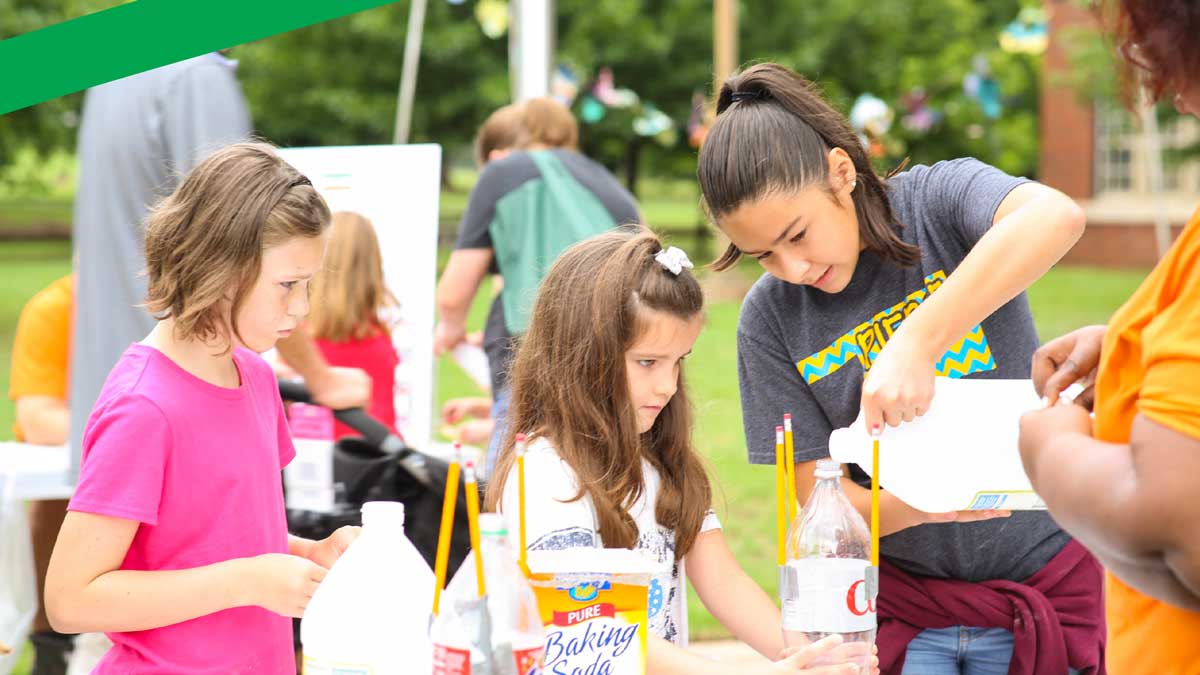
397, 188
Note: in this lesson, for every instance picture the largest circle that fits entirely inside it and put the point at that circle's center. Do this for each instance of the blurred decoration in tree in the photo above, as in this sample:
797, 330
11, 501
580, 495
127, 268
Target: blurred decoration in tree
919, 117
622, 115
871, 118
605, 91
983, 88
492, 16
698, 122
1026, 34
591, 111
654, 123
564, 85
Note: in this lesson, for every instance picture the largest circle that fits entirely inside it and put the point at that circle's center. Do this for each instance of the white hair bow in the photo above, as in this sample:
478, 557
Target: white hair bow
674, 259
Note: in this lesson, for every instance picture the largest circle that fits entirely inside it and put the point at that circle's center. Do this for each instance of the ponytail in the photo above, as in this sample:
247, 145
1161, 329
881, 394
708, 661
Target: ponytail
773, 134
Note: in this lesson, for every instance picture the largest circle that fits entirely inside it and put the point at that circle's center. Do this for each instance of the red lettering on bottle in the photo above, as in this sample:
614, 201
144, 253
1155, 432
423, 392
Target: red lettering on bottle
852, 600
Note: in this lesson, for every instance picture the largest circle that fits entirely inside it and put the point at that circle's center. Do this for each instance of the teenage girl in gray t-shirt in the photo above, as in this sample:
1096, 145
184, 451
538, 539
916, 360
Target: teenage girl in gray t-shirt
847, 320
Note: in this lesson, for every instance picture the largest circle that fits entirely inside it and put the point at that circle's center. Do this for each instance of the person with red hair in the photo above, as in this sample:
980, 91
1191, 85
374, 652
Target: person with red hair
1125, 483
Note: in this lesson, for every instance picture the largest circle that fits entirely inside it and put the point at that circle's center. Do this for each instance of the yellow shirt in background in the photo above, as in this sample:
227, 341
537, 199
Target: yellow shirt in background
42, 346
1150, 364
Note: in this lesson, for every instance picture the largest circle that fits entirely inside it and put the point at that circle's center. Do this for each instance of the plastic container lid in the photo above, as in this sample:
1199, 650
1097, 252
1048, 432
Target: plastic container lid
492, 524
383, 513
828, 468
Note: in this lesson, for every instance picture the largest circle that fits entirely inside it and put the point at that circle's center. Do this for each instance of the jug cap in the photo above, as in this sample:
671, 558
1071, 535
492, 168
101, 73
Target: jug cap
382, 512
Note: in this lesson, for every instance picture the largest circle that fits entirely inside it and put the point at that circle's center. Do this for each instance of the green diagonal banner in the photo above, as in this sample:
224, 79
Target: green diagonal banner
142, 35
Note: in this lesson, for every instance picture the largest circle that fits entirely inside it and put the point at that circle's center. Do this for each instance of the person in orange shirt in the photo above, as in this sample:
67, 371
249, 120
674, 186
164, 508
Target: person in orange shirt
1126, 483
38, 388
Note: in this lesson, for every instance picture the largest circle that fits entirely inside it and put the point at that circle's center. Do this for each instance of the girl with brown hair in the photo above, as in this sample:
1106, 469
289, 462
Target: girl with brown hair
873, 287
175, 542
350, 304
1132, 498
598, 388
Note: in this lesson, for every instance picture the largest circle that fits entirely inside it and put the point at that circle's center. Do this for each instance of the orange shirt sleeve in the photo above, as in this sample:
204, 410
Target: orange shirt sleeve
41, 347
1170, 393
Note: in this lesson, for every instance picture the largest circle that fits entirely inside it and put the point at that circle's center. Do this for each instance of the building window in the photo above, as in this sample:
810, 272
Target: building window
1181, 173
1121, 153
1115, 141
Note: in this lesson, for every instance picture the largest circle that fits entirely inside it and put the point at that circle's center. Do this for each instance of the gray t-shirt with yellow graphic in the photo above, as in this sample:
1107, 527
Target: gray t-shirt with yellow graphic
805, 352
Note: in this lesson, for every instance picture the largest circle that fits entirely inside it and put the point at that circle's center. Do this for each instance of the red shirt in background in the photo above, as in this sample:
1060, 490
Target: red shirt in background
378, 357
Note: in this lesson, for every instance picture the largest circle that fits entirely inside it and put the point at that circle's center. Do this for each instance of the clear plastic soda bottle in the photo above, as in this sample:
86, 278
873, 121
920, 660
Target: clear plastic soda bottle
509, 615
823, 586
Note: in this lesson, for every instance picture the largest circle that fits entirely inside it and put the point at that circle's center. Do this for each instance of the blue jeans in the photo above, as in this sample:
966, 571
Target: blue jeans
500, 426
960, 651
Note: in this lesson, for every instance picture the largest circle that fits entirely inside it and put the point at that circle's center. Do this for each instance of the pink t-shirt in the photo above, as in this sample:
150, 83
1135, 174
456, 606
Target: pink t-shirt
199, 467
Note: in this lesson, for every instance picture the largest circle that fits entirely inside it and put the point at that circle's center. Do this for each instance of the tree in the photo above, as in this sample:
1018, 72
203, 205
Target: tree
890, 47
52, 124
336, 82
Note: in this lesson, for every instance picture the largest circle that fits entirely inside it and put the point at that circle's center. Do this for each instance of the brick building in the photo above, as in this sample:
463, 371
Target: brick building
1096, 153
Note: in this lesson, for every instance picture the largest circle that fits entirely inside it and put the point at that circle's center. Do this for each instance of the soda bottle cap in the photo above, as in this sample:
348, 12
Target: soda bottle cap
492, 524
828, 468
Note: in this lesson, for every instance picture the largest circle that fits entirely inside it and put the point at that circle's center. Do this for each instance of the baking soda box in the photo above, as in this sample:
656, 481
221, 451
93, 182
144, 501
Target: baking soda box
593, 604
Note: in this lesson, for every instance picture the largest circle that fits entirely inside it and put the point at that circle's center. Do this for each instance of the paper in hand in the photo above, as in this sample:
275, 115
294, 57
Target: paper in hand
474, 363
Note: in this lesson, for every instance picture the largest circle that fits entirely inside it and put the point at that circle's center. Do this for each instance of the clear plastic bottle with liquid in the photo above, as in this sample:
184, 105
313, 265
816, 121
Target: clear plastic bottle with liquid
823, 587
510, 615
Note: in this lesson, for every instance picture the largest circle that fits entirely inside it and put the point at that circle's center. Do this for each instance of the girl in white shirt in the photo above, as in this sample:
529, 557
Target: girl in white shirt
598, 387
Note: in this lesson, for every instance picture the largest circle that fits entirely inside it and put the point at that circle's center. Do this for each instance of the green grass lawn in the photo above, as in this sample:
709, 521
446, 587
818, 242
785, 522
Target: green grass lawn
1064, 299
31, 211
671, 205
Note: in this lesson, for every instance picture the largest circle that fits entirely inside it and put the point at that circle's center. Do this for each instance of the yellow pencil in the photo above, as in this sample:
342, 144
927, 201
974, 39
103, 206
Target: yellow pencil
781, 522
443, 547
875, 504
522, 558
790, 463
473, 522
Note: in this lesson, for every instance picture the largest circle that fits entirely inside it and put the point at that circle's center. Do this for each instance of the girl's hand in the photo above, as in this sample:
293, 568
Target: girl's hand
328, 550
282, 583
899, 386
446, 336
1066, 360
471, 432
796, 659
339, 388
911, 517
458, 409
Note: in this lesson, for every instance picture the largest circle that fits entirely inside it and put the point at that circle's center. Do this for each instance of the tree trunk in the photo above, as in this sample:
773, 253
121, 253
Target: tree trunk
632, 151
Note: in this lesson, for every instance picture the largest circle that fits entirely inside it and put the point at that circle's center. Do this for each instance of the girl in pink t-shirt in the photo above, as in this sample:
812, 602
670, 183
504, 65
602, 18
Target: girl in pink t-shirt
176, 543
